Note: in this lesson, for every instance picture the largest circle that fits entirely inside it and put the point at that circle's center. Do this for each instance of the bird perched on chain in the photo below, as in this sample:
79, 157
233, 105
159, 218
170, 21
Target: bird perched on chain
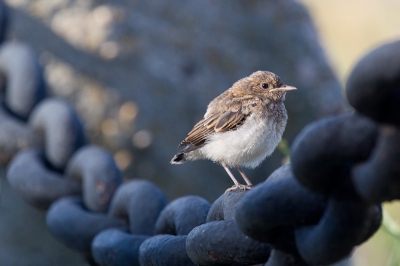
241, 127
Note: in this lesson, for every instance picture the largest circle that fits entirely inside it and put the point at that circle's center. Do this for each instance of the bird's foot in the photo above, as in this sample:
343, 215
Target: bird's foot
240, 186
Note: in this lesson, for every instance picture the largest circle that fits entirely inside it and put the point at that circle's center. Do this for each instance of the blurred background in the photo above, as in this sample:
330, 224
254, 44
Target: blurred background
141, 73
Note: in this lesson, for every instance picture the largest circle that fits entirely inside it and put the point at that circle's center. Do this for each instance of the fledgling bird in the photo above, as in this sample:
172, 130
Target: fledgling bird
241, 127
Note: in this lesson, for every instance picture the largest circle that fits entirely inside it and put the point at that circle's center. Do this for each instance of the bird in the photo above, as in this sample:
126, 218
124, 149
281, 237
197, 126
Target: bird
241, 127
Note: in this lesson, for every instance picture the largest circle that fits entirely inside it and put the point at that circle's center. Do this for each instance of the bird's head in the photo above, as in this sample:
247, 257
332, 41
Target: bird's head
267, 85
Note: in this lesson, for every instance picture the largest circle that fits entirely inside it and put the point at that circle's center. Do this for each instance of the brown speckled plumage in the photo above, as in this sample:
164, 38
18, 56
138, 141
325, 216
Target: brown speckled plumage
257, 99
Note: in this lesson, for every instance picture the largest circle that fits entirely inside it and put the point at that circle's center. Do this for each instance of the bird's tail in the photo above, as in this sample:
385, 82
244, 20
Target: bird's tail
179, 158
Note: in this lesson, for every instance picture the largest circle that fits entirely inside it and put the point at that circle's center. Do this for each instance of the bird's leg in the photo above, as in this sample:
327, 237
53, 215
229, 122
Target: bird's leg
231, 175
246, 179
237, 185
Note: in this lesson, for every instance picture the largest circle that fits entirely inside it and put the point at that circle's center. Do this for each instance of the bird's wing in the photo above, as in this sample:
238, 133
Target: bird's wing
230, 120
215, 122
205, 127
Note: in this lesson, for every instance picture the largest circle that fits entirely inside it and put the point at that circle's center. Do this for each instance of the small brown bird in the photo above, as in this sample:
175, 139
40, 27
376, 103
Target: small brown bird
241, 127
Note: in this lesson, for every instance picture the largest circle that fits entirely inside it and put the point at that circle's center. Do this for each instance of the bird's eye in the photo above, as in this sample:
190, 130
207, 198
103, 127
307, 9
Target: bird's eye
264, 85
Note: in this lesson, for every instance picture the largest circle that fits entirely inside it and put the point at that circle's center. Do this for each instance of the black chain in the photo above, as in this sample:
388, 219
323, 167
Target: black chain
310, 212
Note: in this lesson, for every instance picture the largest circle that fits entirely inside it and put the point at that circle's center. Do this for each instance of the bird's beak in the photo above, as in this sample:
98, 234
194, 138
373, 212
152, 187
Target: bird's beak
284, 89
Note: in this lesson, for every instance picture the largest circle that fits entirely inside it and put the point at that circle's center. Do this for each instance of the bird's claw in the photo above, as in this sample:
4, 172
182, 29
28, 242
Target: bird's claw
240, 186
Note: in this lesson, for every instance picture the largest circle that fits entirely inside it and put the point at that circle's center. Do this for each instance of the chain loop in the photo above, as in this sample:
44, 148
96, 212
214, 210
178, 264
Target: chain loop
96, 170
61, 129
71, 223
24, 79
22, 88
